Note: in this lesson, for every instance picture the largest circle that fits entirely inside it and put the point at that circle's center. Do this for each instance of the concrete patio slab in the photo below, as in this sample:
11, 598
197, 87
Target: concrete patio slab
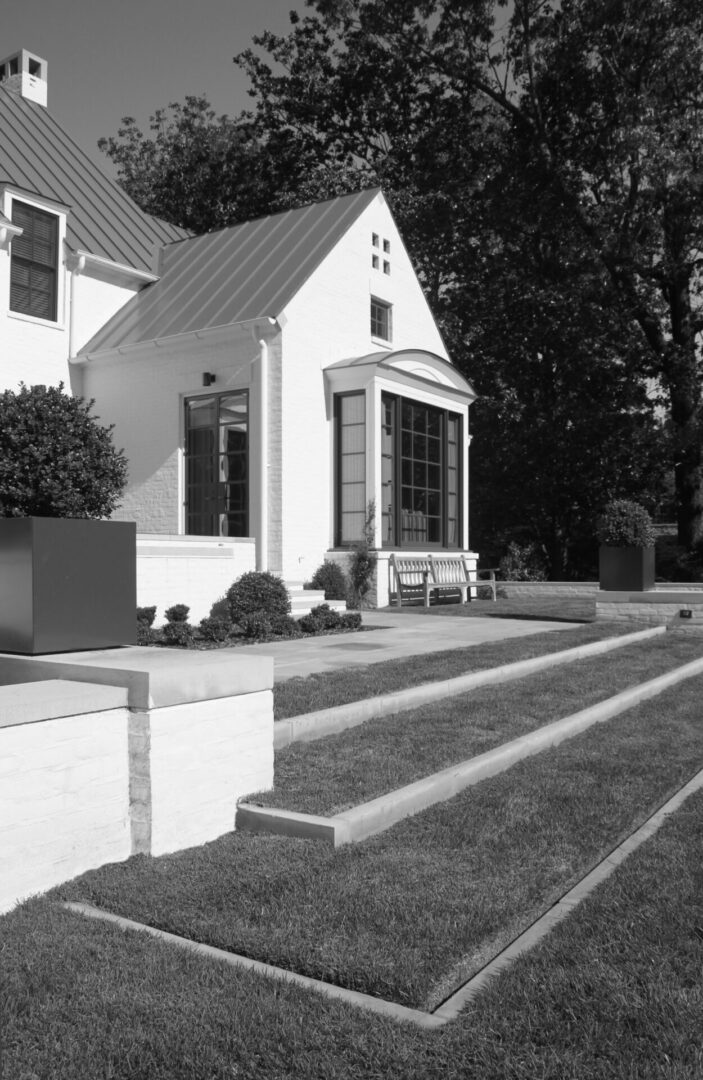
392, 636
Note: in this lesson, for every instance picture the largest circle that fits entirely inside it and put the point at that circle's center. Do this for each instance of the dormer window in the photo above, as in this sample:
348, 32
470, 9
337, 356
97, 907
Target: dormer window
34, 262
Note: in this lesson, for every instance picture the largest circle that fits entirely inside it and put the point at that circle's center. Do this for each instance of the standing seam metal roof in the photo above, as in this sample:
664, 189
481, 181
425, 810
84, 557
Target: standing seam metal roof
245, 272
38, 157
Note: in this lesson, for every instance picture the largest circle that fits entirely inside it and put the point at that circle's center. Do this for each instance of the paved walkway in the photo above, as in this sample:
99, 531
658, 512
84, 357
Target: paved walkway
393, 636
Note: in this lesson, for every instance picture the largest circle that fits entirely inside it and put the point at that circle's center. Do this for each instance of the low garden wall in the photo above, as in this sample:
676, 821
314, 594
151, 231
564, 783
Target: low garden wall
192, 570
112, 753
514, 589
675, 606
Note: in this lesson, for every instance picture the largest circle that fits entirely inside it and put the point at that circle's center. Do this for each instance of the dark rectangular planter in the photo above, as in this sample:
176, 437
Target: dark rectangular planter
626, 569
67, 584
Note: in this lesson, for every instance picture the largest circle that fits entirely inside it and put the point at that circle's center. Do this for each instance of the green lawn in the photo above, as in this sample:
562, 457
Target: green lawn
340, 771
312, 692
613, 994
409, 914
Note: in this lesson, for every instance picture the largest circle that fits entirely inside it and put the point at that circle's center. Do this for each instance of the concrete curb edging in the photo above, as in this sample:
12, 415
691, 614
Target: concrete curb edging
451, 1008
315, 725
379, 814
350, 997
453, 1005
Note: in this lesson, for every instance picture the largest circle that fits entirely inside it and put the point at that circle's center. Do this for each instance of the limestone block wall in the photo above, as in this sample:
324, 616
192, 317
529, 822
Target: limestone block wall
194, 796
189, 570
677, 608
64, 779
115, 752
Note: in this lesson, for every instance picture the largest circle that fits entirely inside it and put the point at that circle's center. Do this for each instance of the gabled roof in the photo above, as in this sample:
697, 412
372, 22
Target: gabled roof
39, 158
245, 272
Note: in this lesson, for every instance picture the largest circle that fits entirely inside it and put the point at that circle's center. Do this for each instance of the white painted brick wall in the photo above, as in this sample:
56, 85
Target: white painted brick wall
328, 321
64, 804
37, 352
142, 393
175, 570
204, 757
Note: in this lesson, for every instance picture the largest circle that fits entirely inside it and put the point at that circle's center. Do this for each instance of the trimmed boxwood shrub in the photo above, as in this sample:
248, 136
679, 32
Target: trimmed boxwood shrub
624, 523
319, 619
55, 459
331, 578
255, 592
146, 615
215, 628
261, 627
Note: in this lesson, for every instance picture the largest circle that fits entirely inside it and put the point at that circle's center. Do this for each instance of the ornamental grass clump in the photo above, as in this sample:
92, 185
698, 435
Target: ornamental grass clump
625, 523
55, 459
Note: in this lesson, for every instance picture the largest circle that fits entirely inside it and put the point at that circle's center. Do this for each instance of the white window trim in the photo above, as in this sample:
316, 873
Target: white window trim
386, 341
10, 196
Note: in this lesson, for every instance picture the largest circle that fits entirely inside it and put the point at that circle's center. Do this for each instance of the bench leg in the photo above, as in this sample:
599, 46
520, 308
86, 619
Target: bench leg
464, 594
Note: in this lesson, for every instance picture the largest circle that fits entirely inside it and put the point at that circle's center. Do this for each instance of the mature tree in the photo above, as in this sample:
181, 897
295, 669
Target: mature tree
605, 98
202, 171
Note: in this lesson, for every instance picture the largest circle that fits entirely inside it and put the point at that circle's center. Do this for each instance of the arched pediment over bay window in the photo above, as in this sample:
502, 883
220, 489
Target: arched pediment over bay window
401, 436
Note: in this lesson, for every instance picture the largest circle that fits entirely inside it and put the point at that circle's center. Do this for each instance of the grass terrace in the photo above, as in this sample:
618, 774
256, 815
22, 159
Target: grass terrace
307, 694
340, 771
614, 992
410, 914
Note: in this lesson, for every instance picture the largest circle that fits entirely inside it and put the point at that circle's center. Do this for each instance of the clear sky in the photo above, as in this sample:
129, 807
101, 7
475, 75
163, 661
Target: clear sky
113, 58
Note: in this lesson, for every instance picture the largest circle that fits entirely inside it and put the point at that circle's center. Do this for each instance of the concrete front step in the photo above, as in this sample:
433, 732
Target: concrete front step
303, 600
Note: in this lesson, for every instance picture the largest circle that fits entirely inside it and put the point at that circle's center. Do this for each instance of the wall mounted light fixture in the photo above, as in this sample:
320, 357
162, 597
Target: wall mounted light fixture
208, 378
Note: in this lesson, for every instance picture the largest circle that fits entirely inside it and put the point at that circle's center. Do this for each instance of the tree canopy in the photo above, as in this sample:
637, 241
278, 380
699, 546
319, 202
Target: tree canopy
544, 161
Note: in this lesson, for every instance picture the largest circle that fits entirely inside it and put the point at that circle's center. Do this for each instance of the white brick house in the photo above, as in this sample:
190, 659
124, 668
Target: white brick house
266, 381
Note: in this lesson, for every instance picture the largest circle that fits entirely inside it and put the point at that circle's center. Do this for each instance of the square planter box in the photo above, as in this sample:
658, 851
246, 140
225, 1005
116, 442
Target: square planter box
626, 569
67, 584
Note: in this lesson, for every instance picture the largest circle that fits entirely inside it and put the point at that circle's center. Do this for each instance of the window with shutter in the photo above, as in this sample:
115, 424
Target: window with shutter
34, 263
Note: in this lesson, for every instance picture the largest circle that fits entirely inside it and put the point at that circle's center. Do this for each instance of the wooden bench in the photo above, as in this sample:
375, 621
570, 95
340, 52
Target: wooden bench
417, 576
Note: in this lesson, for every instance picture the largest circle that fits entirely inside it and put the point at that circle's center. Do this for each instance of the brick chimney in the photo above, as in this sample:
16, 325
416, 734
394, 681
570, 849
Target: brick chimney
25, 74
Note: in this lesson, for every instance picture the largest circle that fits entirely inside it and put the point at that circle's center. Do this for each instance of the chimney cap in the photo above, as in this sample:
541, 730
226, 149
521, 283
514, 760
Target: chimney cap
25, 73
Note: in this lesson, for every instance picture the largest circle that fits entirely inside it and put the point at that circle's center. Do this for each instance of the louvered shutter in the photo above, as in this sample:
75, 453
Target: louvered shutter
34, 263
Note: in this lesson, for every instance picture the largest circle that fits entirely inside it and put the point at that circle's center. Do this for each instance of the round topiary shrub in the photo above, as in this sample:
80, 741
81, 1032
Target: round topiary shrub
257, 592
178, 613
331, 578
625, 523
146, 615
55, 459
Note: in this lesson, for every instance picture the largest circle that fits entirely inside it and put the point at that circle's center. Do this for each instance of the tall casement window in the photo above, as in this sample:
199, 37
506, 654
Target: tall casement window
34, 263
421, 476
217, 465
350, 433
